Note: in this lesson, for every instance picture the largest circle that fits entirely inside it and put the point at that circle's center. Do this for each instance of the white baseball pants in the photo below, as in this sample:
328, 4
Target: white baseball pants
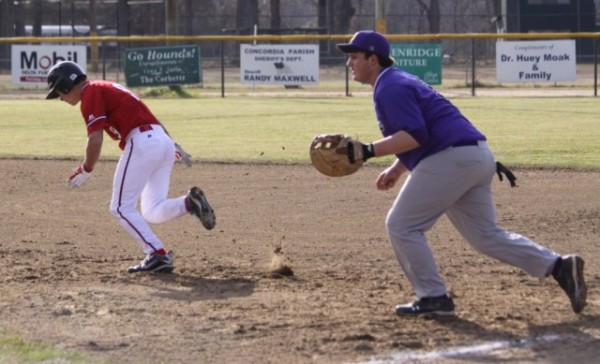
144, 170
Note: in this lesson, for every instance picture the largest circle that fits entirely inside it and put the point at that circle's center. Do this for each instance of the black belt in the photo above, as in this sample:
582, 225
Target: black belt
465, 144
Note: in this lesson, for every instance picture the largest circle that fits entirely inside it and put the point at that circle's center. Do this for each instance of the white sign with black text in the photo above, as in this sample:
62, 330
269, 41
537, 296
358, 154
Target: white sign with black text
535, 61
279, 64
30, 63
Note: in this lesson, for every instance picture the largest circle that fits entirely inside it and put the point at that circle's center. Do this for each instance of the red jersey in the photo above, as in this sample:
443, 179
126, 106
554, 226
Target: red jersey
112, 107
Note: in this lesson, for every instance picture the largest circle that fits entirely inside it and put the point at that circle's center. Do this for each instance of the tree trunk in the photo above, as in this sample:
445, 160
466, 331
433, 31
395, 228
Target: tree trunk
172, 28
432, 11
38, 11
433, 16
323, 25
7, 13
122, 18
276, 16
93, 32
322, 15
246, 16
342, 16
171, 19
189, 18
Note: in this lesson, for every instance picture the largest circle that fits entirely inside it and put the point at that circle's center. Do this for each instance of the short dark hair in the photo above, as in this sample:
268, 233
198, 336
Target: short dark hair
383, 61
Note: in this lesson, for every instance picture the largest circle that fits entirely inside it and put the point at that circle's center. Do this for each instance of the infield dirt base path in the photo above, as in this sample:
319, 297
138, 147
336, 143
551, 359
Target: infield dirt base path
63, 278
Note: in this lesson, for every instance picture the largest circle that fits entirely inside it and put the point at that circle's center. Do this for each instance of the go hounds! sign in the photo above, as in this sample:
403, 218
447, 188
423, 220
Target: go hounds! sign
163, 66
30, 63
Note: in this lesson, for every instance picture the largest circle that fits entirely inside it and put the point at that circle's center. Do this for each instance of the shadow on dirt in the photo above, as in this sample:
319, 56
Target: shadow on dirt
189, 287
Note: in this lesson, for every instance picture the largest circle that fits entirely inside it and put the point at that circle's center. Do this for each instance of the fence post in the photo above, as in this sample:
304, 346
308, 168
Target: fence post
473, 67
222, 69
103, 51
595, 67
347, 83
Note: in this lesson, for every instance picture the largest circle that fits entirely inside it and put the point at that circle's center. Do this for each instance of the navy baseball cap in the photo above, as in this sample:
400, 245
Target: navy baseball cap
368, 41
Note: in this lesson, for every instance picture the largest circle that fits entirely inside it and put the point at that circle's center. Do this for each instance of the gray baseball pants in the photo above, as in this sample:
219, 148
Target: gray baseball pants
456, 181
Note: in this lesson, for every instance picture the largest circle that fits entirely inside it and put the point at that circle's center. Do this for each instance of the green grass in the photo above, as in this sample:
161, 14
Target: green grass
555, 132
550, 132
14, 350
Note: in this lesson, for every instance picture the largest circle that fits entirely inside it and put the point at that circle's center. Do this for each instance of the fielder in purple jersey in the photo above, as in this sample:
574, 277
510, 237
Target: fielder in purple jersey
451, 171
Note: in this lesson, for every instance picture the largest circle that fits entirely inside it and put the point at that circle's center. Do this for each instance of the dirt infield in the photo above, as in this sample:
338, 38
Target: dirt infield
64, 282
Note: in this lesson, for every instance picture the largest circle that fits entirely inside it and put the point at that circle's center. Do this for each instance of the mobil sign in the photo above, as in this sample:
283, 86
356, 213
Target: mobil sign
30, 63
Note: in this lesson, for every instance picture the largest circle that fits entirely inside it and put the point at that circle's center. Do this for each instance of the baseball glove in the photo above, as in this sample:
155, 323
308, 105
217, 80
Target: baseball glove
336, 155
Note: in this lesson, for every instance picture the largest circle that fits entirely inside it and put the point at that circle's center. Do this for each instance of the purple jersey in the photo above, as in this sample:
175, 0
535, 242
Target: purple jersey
403, 102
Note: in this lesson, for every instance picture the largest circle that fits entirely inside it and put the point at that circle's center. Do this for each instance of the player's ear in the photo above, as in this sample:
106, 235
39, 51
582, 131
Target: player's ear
373, 60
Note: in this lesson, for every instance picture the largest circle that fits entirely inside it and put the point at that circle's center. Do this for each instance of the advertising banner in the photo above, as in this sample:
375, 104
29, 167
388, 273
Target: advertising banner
535, 61
296, 64
30, 63
422, 60
163, 66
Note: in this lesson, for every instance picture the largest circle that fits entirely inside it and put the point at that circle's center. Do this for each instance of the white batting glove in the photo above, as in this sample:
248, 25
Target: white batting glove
78, 178
182, 156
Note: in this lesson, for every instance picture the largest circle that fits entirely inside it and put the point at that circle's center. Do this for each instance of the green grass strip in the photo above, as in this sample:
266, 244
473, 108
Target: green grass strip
541, 132
14, 349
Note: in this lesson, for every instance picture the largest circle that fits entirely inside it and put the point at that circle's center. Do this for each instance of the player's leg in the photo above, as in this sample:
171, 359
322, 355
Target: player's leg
155, 206
131, 174
433, 186
474, 216
406, 223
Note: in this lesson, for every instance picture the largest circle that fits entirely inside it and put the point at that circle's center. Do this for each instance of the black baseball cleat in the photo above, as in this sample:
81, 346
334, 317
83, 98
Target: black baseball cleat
154, 263
197, 205
570, 278
442, 305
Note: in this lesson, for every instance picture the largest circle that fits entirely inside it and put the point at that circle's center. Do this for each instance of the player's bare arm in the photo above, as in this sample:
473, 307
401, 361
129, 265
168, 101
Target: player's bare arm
397, 143
93, 149
92, 154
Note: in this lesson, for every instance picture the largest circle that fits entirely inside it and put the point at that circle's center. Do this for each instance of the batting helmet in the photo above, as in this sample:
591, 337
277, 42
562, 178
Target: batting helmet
62, 77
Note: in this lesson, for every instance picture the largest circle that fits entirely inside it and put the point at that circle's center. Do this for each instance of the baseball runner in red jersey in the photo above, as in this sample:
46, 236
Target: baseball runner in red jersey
143, 172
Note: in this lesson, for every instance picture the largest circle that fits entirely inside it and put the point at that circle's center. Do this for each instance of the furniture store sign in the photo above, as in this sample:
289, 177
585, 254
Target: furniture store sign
535, 61
30, 63
422, 60
164, 66
279, 64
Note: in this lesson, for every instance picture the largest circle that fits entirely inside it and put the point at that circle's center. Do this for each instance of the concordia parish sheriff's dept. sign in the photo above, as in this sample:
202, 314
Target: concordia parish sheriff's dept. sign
422, 60
535, 61
279, 64
157, 66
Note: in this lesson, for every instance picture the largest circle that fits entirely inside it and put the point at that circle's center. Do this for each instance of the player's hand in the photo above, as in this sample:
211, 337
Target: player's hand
79, 177
388, 178
182, 156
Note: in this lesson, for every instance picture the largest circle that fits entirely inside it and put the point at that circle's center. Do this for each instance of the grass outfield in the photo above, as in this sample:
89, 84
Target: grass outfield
555, 132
